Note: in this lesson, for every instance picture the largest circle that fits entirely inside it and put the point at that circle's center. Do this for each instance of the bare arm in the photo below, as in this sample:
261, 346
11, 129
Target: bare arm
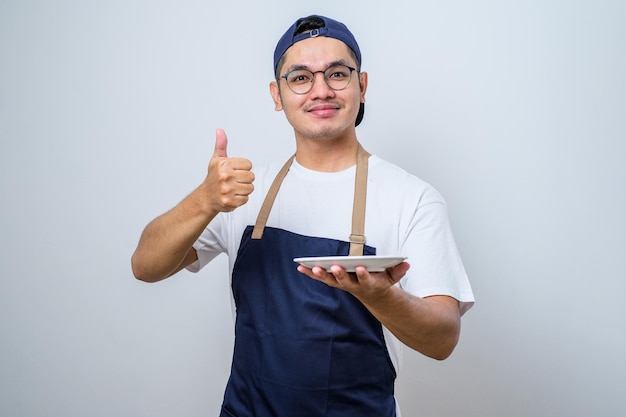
165, 246
166, 242
429, 325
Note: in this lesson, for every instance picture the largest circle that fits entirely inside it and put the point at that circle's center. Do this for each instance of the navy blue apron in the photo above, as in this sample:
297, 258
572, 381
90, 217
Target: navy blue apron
302, 348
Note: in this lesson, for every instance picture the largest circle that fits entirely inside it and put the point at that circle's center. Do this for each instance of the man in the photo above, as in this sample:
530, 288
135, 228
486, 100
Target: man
311, 341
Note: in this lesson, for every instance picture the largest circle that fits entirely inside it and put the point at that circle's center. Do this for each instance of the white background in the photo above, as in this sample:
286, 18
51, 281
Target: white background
514, 110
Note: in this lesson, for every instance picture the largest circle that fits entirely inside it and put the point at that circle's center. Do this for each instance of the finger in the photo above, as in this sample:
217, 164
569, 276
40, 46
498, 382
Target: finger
398, 271
342, 276
401, 268
337, 270
220, 144
319, 274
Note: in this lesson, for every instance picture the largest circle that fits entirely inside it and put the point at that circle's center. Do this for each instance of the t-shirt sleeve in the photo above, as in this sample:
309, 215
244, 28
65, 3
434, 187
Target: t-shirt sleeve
436, 266
210, 244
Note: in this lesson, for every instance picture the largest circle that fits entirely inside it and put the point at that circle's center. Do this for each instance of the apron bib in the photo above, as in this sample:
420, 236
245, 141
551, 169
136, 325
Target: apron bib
302, 348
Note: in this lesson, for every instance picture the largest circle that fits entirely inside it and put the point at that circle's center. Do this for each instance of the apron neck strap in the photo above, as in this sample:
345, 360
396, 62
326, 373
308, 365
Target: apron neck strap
357, 237
264, 213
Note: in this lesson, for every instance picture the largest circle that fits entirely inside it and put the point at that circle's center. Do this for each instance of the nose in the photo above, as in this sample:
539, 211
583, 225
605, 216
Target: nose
320, 88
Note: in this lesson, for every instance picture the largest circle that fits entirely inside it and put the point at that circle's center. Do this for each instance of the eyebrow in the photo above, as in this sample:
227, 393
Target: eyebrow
305, 67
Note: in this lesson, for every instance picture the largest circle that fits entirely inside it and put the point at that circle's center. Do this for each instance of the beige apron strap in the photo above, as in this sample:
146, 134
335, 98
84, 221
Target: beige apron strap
264, 213
357, 237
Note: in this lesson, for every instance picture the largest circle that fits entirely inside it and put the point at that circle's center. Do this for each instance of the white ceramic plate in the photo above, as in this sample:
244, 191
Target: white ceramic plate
349, 263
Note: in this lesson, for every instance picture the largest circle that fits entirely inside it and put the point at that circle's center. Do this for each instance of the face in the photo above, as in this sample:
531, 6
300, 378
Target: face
322, 112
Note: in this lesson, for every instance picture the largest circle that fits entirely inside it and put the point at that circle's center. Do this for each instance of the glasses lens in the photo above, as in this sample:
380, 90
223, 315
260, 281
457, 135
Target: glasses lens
300, 81
338, 77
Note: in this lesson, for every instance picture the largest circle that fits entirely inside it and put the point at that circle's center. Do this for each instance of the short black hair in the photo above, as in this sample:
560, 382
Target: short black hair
306, 24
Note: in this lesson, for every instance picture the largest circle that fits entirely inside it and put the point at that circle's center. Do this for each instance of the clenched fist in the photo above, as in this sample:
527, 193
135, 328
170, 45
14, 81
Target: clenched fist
229, 180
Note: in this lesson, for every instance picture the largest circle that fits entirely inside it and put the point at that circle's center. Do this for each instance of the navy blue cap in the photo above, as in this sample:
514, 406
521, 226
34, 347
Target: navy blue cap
332, 29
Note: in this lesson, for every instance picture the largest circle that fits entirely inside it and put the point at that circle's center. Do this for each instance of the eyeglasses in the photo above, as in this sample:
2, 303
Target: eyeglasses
301, 81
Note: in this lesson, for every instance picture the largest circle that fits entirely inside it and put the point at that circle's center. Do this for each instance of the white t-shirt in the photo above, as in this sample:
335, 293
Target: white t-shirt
404, 216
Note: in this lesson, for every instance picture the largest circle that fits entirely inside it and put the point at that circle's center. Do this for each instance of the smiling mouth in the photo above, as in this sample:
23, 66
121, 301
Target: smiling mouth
323, 109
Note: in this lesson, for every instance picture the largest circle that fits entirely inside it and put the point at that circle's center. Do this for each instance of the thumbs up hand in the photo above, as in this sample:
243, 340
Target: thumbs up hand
229, 180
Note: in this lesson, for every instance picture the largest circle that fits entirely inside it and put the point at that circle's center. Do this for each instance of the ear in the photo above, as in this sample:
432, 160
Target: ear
363, 84
275, 93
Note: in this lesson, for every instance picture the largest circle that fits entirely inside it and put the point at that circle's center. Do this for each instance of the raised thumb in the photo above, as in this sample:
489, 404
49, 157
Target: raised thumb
220, 144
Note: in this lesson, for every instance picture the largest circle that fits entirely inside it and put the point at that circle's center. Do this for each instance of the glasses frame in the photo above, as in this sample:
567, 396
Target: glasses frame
352, 69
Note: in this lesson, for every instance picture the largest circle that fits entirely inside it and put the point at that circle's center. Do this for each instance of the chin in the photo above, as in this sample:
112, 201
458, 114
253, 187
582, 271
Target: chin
325, 131
320, 135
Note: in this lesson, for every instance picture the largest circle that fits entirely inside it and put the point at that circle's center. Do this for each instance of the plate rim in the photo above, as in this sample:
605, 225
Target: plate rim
373, 268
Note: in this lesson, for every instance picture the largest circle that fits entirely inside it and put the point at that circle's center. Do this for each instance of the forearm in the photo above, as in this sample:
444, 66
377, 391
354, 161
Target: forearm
429, 325
165, 245
166, 241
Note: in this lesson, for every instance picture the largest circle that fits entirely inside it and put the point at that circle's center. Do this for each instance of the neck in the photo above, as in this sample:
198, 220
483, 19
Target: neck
327, 155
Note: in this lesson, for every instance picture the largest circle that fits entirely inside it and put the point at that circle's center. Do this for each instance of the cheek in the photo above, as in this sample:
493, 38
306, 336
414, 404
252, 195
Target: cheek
290, 102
